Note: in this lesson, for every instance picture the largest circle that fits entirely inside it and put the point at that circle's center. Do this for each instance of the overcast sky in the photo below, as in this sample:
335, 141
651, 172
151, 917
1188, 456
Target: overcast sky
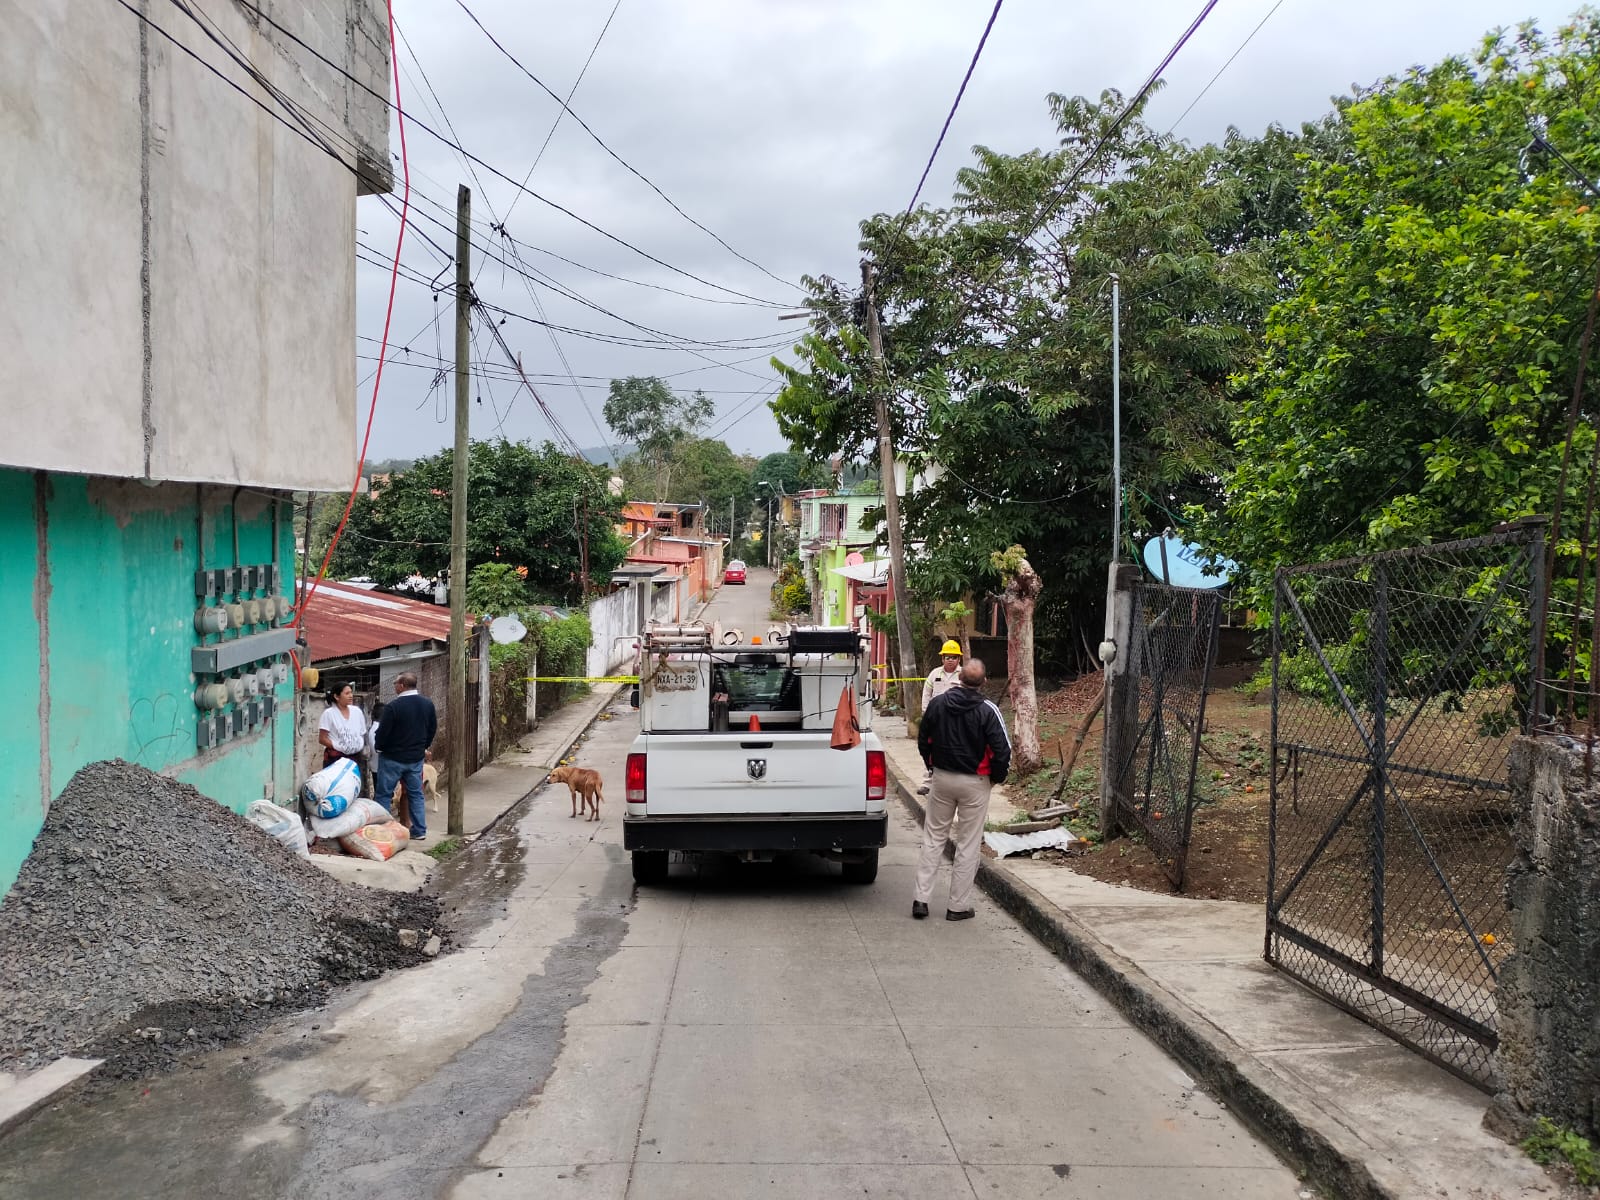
779, 125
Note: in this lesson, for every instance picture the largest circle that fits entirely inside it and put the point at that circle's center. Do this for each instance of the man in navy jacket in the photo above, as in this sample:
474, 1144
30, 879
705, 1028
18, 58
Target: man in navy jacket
963, 741
404, 734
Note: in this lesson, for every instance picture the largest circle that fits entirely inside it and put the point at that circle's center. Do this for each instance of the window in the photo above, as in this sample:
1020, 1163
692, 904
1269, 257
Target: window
757, 683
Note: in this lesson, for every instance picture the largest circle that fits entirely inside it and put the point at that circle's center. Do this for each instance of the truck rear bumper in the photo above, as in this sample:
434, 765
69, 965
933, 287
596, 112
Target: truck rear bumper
755, 833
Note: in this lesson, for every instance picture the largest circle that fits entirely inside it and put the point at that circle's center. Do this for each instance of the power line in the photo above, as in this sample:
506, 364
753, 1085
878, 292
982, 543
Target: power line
254, 8
951, 116
1248, 39
566, 105
624, 162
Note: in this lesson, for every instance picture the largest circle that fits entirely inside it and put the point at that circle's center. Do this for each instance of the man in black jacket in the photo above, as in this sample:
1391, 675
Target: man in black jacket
963, 740
404, 735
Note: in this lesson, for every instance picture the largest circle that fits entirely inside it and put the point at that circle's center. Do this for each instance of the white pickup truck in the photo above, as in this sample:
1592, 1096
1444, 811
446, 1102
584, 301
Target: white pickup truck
735, 752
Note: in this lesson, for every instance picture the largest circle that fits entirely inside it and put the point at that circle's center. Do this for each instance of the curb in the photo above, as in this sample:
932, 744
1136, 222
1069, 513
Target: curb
21, 1098
1289, 1118
583, 732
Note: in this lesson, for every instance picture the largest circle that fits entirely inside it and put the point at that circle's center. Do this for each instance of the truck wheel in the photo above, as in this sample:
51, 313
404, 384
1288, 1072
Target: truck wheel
650, 866
864, 871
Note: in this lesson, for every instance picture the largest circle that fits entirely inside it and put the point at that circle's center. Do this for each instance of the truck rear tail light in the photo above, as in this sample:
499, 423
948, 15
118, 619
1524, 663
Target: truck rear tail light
635, 779
877, 775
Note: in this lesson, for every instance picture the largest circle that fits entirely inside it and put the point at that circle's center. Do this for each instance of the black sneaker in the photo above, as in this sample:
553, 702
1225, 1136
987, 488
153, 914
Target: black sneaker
419, 837
965, 914
918, 909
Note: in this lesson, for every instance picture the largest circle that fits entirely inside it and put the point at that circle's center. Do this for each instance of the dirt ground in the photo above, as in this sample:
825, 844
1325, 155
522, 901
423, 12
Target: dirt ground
1228, 849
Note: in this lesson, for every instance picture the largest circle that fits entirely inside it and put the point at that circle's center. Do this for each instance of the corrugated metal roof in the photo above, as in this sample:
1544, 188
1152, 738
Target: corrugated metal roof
343, 621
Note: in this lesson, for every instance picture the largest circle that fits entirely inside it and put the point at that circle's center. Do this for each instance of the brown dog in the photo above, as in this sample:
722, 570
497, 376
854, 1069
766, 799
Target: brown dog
584, 783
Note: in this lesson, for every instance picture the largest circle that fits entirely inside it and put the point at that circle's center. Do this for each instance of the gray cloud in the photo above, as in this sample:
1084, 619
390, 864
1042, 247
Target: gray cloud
781, 124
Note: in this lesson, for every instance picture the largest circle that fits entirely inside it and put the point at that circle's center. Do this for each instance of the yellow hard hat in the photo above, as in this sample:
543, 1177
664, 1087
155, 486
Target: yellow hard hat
949, 648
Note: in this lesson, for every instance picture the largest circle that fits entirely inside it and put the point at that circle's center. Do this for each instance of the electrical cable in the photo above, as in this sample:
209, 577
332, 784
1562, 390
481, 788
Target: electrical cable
388, 317
267, 18
566, 105
1248, 39
951, 116
624, 162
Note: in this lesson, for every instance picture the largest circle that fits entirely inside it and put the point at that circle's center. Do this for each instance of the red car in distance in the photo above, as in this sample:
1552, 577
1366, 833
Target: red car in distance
734, 572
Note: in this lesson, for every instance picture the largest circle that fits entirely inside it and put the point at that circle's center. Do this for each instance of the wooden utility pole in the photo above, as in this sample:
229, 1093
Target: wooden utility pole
910, 687
458, 726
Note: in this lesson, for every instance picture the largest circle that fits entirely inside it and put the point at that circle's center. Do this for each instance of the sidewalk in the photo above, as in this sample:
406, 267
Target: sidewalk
1359, 1113
491, 792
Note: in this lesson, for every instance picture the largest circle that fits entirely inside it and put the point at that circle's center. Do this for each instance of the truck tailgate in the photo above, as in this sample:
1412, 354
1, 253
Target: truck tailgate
726, 774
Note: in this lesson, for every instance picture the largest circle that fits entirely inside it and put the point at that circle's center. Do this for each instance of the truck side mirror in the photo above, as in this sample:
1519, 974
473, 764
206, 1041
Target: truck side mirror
633, 696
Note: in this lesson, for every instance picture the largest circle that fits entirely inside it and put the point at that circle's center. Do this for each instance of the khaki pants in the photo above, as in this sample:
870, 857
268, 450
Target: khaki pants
964, 801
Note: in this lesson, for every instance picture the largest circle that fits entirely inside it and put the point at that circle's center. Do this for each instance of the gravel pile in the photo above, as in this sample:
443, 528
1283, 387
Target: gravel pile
149, 920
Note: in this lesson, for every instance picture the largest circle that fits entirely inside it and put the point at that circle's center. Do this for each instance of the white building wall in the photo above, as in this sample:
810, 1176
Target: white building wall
180, 290
612, 618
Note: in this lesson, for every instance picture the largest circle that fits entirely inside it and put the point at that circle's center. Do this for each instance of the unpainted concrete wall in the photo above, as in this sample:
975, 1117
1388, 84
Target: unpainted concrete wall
1548, 994
180, 292
97, 577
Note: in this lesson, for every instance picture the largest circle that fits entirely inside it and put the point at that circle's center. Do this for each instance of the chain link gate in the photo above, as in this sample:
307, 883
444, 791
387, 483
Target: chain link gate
1400, 681
1174, 634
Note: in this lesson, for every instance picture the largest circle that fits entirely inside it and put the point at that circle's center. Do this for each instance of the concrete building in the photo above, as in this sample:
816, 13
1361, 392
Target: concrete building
178, 327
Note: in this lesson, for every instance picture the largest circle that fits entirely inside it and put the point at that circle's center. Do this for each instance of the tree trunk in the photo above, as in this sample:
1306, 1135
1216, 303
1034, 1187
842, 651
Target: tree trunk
1020, 597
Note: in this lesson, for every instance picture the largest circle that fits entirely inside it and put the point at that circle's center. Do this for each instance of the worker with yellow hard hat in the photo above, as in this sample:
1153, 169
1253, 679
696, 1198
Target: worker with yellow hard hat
945, 676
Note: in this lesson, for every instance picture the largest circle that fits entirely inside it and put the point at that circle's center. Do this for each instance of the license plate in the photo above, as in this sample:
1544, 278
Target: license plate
677, 681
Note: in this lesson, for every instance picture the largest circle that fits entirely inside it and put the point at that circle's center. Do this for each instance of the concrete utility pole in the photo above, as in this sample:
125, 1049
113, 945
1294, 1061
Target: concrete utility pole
910, 691
462, 735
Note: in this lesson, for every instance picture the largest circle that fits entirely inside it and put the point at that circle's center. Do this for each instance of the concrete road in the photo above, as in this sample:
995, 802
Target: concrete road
744, 606
742, 1031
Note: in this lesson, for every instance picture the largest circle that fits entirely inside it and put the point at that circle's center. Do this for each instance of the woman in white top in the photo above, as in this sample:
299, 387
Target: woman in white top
343, 729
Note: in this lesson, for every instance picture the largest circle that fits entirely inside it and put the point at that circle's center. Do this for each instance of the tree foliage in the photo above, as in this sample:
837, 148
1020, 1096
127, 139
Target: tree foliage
527, 507
645, 411
998, 344
1413, 385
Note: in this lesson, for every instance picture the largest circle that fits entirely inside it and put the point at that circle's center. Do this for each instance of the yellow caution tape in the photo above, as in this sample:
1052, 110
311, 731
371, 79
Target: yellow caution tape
582, 678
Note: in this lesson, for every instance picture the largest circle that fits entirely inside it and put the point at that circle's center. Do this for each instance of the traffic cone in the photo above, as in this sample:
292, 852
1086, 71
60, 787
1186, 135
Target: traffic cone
755, 723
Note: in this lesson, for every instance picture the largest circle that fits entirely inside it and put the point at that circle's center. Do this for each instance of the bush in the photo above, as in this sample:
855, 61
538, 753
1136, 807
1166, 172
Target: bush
795, 597
1550, 1142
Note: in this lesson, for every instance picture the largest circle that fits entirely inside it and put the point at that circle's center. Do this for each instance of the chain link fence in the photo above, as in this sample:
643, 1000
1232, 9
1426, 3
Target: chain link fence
1174, 640
1400, 681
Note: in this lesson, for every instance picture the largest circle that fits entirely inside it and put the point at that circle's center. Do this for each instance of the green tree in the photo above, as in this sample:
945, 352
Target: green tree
529, 507
1413, 384
998, 348
645, 411
706, 471
496, 588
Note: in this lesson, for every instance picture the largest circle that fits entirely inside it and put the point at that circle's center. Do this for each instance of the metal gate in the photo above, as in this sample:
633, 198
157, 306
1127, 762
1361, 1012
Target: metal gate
1174, 641
1400, 681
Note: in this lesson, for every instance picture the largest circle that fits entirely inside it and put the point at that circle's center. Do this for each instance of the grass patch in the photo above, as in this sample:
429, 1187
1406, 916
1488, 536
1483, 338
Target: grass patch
444, 849
1550, 1143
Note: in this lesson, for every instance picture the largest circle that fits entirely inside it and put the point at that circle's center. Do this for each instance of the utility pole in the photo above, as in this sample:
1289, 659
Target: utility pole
1116, 419
458, 524
910, 693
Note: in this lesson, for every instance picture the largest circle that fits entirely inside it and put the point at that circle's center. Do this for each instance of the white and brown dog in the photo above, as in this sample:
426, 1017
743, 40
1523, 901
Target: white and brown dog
584, 787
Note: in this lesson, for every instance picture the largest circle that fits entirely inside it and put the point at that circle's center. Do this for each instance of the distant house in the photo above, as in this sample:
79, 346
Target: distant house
178, 328
673, 536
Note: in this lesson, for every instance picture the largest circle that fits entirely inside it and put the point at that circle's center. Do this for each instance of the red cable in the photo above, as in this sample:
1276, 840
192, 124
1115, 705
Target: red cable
383, 346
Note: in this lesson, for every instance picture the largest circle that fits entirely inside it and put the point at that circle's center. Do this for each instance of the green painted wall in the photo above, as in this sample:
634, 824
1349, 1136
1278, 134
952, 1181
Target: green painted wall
21, 794
119, 606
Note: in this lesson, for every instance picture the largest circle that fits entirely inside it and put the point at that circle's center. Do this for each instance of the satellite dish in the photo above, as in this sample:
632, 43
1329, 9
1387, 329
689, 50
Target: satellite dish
1182, 564
854, 559
507, 629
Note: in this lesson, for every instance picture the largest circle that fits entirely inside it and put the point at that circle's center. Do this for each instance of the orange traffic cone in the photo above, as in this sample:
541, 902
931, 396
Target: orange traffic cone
755, 723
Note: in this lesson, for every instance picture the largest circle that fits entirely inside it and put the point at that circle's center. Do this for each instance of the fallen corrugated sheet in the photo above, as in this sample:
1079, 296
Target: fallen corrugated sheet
1005, 844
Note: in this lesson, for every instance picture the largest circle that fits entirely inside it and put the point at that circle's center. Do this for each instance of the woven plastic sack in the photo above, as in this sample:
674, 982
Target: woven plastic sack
360, 812
279, 824
378, 842
329, 792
